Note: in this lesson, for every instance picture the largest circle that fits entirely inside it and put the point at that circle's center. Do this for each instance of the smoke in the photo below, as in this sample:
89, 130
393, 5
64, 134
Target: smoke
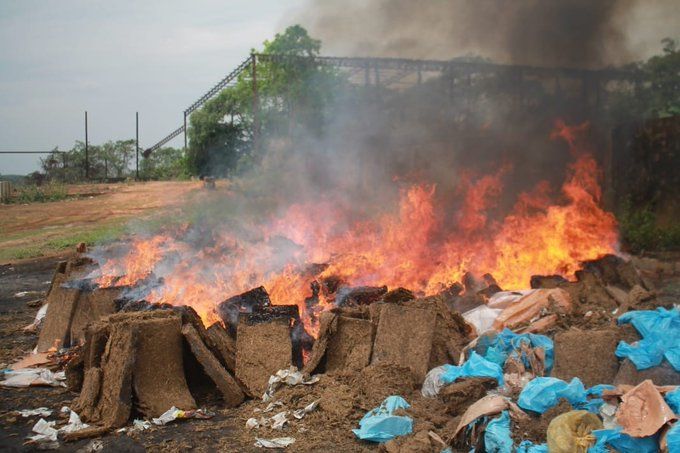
572, 33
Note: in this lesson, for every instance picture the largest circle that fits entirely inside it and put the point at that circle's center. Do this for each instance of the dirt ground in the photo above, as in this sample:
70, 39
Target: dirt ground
93, 210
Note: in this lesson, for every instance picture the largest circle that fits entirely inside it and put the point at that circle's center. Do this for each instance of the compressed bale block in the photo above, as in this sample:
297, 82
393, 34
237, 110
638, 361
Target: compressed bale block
351, 345
262, 349
404, 337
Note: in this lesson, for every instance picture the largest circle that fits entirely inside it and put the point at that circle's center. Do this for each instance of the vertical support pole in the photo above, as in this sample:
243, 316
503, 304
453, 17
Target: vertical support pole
137, 145
367, 74
87, 153
377, 75
420, 75
185, 131
256, 104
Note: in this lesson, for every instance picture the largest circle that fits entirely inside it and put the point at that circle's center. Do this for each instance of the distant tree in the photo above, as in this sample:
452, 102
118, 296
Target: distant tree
164, 163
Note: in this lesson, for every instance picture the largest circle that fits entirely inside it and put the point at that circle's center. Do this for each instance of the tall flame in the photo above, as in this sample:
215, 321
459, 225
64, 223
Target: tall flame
420, 245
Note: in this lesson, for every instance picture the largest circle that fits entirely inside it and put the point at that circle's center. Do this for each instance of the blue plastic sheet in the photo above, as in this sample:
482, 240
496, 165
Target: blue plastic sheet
673, 400
673, 438
474, 366
542, 393
497, 349
529, 447
497, 435
623, 443
660, 331
380, 425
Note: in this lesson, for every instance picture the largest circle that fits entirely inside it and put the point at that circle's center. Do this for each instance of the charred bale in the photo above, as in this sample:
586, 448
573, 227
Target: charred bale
359, 295
230, 309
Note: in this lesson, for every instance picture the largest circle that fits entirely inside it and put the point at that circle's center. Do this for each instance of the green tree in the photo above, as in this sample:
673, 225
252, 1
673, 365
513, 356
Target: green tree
164, 163
293, 96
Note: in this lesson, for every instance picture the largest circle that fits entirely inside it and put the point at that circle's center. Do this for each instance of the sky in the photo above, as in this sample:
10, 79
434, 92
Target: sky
59, 58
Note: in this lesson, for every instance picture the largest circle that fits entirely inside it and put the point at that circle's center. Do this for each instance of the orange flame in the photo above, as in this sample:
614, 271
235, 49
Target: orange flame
420, 246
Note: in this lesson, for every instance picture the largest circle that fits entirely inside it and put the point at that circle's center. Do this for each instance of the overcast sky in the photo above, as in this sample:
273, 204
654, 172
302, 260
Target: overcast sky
59, 58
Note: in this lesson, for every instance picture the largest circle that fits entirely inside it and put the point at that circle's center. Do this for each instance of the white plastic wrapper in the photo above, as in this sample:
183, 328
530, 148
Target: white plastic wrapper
279, 420
300, 413
42, 411
482, 317
27, 377
432, 384
166, 417
290, 376
503, 299
74, 424
46, 435
278, 442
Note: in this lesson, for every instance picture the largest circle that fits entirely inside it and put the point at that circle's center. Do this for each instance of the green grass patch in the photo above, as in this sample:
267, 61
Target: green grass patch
50, 246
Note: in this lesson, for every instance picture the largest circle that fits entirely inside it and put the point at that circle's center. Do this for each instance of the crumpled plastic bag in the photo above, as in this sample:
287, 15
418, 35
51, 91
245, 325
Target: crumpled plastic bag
508, 343
622, 443
660, 331
571, 432
527, 446
673, 400
482, 317
27, 377
42, 411
673, 438
46, 434
497, 435
381, 425
278, 442
474, 366
74, 424
542, 393
289, 376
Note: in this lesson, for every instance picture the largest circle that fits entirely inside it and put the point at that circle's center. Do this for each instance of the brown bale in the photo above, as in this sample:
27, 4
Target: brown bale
158, 376
115, 401
223, 345
350, 347
231, 391
86, 403
588, 355
404, 337
57, 325
92, 306
261, 350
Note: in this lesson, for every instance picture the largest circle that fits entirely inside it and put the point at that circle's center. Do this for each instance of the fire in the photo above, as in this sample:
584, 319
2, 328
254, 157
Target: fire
421, 245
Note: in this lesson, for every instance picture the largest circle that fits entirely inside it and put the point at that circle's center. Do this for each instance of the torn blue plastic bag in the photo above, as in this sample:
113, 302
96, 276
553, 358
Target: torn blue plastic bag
474, 366
381, 425
498, 348
497, 435
673, 400
673, 438
660, 332
623, 443
542, 393
528, 446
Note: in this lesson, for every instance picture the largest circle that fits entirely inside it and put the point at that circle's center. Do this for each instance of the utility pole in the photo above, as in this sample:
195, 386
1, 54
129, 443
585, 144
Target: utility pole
137, 145
87, 157
185, 132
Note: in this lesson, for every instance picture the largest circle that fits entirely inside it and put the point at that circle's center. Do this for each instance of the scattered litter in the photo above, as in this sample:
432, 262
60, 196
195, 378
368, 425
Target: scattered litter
271, 406
39, 317
660, 331
622, 443
140, 425
504, 299
41, 411
290, 376
46, 435
508, 344
608, 415
74, 424
673, 400
482, 317
177, 414
278, 442
489, 405
571, 432
527, 446
532, 305
279, 420
497, 434
381, 425
252, 423
300, 413
475, 366
643, 411
542, 393
27, 377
